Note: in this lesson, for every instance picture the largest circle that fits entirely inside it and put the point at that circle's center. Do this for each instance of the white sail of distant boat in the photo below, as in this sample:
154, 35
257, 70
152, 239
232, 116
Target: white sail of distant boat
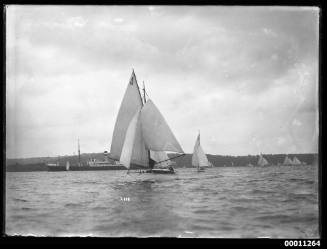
262, 161
287, 161
141, 131
296, 161
67, 165
199, 159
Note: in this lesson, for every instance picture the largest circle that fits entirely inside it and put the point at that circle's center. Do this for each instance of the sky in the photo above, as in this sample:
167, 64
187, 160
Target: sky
246, 77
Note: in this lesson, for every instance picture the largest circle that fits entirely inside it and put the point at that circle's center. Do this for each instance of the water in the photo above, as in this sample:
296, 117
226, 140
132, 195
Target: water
235, 202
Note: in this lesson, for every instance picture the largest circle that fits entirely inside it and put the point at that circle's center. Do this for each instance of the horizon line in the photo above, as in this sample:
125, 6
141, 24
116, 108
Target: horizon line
302, 153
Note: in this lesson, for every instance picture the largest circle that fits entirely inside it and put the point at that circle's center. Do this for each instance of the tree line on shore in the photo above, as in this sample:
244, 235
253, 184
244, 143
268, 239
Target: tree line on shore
39, 163
226, 161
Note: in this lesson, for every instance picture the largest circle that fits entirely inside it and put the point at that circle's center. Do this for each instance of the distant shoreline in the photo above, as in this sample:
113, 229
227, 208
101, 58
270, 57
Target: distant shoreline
40, 164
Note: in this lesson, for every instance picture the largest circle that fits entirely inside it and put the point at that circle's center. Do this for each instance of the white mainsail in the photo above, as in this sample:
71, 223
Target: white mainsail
199, 159
155, 130
132, 103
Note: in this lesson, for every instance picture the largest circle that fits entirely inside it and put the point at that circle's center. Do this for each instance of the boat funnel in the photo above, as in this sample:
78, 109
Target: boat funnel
105, 153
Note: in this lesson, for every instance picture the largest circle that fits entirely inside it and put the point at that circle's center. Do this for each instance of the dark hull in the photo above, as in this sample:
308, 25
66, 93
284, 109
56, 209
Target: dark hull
158, 171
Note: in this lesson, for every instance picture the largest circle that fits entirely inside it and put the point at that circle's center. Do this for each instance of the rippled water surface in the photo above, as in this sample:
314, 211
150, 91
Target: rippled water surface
220, 202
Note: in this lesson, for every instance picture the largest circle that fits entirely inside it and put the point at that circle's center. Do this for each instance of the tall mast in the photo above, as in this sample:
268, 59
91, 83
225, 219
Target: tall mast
151, 162
79, 154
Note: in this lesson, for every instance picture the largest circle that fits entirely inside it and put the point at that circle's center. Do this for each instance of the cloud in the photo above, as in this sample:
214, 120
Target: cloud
241, 75
269, 32
118, 20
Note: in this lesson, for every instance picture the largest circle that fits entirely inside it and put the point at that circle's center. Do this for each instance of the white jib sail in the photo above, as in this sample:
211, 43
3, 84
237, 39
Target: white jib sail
131, 103
126, 153
156, 132
199, 159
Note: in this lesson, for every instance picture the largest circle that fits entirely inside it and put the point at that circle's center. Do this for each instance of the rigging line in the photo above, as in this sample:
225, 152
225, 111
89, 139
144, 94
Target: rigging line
171, 158
145, 90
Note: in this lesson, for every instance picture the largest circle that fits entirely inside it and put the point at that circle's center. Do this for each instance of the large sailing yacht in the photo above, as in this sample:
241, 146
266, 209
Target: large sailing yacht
141, 135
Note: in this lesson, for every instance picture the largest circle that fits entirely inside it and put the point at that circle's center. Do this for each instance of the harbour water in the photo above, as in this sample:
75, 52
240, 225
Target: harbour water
222, 202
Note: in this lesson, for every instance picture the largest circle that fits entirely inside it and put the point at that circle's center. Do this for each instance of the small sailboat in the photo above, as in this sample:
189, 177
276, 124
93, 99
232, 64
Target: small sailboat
141, 135
296, 161
287, 161
262, 161
199, 159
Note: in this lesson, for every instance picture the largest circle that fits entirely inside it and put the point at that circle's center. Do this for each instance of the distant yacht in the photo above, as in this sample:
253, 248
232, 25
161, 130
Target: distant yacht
296, 161
199, 159
262, 161
287, 161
